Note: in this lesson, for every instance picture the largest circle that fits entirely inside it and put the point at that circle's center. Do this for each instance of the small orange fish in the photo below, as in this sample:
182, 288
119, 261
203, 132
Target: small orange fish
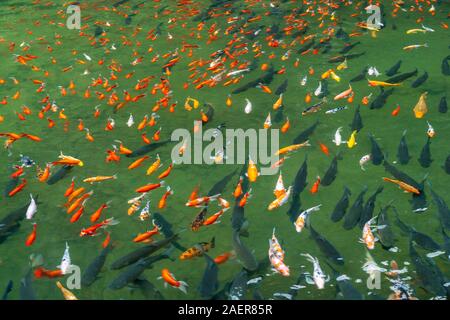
137, 163
32, 236
324, 149
315, 187
396, 111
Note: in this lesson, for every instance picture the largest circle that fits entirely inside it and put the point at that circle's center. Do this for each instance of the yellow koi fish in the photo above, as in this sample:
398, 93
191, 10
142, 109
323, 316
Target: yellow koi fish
352, 140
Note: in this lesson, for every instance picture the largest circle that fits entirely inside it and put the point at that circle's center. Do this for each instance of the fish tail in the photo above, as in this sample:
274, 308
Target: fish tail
183, 286
111, 222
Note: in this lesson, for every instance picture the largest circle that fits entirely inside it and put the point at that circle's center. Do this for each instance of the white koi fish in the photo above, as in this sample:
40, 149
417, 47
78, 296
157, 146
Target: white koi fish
32, 208
248, 106
65, 261
319, 276
337, 137
364, 159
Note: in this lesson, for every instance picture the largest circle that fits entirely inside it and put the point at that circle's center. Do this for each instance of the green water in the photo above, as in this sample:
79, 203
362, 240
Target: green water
54, 228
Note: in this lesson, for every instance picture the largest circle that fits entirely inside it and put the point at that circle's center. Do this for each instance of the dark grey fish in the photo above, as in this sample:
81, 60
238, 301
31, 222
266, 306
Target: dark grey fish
346, 56
8, 289
402, 77
420, 80
425, 274
446, 243
443, 105
238, 221
345, 287
266, 79
304, 135
394, 69
257, 294
221, 184
239, 286
446, 166
360, 76
149, 291
298, 186
349, 47
421, 239
210, 282
243, 254
147, 148
425, 155
342, 205
325, 246
142, 252
12, 183
59, 175
445, 67
341, 34
381, 99
90, 274
210, 112
444, 213
419, 201
26, 290
402, 150
327, 48
118, 3
306, 47
385, 233
400, 175
278, 115
282, 88
354, 214
357, 121
129, 275
331, 173
98, 31
376, 154
134, 271
367, 212
301, 281
166, 229
127, 21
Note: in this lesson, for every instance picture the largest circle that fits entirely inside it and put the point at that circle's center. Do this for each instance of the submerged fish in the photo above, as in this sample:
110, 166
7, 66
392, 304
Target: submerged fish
354, 214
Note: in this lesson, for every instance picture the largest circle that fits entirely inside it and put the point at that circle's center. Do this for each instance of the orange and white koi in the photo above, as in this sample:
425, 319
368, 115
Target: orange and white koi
146, 237
92, 230
202, 200
300, 222
169, 279
163, 200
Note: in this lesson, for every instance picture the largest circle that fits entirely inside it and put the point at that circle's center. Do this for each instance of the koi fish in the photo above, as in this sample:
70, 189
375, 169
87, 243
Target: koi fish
169, 279
292, 148
301, 219
91, 180
198, 250
68, 160
403, 185
92, 230
252, 171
